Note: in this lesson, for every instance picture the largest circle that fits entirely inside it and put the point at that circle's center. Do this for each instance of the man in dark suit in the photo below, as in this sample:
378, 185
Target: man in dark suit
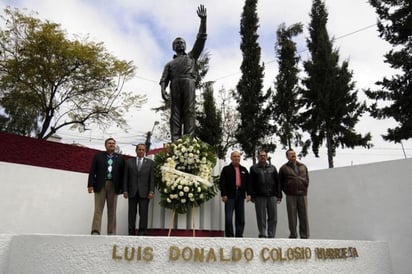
233, 187
138, 186
105, 180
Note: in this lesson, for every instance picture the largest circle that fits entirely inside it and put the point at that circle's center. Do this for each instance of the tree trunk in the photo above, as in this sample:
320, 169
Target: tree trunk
330, 150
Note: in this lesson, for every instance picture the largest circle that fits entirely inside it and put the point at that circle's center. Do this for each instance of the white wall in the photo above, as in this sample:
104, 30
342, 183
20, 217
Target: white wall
43, 200
365, 202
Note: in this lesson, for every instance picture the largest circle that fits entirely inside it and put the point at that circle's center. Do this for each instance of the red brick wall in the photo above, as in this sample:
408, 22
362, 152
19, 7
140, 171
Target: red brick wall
42, 153
31, 151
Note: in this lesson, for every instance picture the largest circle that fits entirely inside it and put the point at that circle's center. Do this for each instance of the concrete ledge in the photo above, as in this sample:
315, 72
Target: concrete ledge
122, 254
5, 242
184, 232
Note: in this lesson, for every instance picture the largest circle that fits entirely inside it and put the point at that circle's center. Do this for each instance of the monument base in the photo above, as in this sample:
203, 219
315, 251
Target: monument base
129, 254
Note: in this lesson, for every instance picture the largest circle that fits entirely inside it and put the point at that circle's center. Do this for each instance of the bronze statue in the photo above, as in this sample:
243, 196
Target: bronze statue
180, 73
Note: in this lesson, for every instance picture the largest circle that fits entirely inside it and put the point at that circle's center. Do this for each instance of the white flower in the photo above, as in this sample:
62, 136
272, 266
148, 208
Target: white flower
181, 186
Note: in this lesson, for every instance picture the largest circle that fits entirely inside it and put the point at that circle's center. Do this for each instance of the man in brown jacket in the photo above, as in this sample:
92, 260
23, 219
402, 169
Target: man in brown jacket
294, 180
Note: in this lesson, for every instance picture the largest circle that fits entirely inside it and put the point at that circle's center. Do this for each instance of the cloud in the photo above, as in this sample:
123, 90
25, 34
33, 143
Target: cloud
142, 31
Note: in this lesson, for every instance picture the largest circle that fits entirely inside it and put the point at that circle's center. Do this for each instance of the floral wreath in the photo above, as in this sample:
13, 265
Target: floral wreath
183, 172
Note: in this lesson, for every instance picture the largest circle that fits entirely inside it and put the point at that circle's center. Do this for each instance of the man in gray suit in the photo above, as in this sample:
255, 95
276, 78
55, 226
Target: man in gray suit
138, 186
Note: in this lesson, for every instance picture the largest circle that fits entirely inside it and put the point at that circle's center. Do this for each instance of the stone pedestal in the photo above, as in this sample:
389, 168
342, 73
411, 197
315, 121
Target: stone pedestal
124, 254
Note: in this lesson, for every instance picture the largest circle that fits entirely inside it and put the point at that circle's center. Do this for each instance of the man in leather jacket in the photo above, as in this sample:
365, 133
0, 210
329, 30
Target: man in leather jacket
294, 180
266, 193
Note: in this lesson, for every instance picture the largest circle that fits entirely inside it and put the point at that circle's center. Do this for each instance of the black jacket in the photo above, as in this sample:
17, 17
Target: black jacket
227, 181
98, 170
264, 181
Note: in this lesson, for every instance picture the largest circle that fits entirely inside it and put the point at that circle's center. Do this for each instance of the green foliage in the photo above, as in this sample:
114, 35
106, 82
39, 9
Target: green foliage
22, 120
285, 103
209, 129
58, 82
395, 26
254, 115
332, 107
201, 69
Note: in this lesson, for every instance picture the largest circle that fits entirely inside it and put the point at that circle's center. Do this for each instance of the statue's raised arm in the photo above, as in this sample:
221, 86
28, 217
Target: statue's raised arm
201, 36
201, 12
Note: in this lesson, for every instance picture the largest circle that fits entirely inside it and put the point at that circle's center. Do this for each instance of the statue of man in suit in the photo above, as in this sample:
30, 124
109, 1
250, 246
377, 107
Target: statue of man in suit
180, 73
138, 186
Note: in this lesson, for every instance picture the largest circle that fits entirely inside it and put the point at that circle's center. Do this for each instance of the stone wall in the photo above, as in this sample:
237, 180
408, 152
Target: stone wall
124, 254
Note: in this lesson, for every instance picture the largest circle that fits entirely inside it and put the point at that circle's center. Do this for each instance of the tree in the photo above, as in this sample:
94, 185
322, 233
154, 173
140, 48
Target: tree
202, 68
57, 82
395, 26
332, 107
254, 115
209, 129
285, 103
22, 120
230, 117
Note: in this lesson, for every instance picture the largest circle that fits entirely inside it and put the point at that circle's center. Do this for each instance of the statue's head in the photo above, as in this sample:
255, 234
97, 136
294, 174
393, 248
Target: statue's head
179, 44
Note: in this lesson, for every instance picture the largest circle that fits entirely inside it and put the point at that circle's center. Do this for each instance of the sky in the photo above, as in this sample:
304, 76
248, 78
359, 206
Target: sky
142, 31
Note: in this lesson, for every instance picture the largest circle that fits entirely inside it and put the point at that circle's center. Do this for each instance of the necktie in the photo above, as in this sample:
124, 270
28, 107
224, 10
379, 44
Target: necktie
139, 164
109, 174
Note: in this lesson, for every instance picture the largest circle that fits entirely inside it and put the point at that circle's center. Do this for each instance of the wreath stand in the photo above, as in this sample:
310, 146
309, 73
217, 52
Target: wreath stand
172, 219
